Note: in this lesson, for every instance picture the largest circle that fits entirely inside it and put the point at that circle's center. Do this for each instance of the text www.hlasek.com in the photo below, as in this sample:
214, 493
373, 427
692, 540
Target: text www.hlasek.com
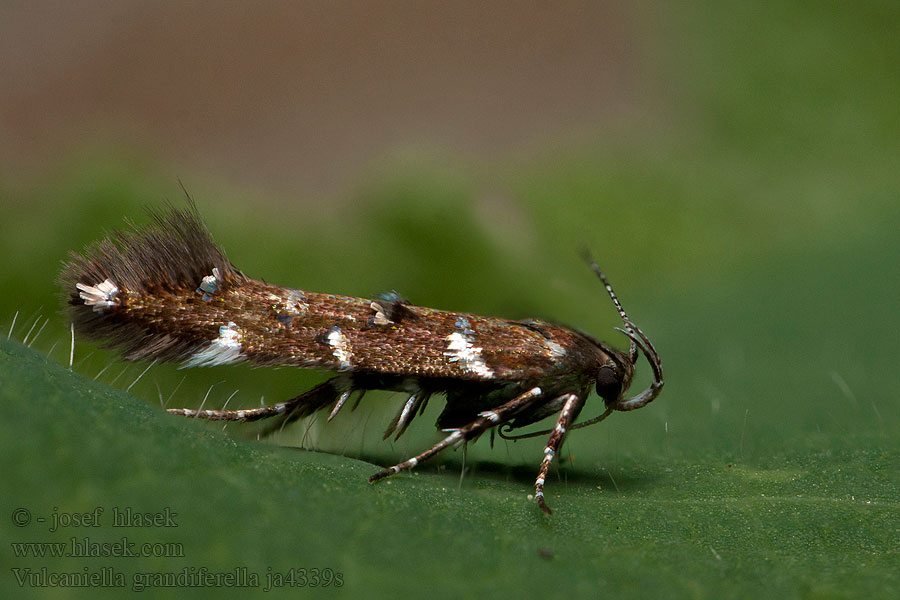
85, 547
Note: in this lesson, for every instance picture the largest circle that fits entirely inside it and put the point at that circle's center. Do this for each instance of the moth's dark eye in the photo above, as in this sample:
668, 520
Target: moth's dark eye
609, 384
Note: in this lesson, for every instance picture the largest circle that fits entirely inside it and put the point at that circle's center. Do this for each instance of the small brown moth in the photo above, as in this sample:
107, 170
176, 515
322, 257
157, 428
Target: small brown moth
167, 292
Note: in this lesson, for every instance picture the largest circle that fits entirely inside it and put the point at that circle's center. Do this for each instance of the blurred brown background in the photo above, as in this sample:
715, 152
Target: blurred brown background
300, 97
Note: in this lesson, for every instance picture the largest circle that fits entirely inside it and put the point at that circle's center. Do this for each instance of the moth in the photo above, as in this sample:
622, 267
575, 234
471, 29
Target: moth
167, 292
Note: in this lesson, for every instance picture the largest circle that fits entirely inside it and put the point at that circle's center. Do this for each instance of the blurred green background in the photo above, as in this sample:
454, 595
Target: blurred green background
733, 166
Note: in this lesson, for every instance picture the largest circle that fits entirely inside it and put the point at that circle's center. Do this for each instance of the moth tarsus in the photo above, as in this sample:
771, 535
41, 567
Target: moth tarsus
166, 292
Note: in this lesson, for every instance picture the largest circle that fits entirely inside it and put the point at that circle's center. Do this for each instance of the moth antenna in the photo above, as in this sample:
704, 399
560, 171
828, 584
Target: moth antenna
643, 342
638, 341
632, 349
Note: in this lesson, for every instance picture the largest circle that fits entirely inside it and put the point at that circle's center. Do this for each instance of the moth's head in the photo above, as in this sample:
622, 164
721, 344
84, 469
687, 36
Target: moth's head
614, 375
617, 369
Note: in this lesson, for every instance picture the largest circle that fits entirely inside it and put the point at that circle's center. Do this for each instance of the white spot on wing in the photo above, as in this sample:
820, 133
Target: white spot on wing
337, 340
223, 350
101, 296
380, 317
461, 349
556, 351
294, 301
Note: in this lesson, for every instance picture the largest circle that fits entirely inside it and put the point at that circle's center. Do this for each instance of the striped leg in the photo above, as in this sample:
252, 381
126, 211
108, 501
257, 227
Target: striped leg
484, 421
305, 404
570, 410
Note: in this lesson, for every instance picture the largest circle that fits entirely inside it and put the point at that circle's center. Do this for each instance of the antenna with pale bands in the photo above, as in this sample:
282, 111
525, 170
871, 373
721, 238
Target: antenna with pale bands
632, 350
638, 341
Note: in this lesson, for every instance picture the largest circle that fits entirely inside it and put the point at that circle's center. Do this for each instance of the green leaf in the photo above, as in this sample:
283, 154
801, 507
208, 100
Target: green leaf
637, 513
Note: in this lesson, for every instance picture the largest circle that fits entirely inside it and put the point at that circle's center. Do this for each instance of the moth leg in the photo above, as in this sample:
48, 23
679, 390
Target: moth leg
304, 404
406, 414
484, 421
404, 421
335, 391
339, 404
570, 409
